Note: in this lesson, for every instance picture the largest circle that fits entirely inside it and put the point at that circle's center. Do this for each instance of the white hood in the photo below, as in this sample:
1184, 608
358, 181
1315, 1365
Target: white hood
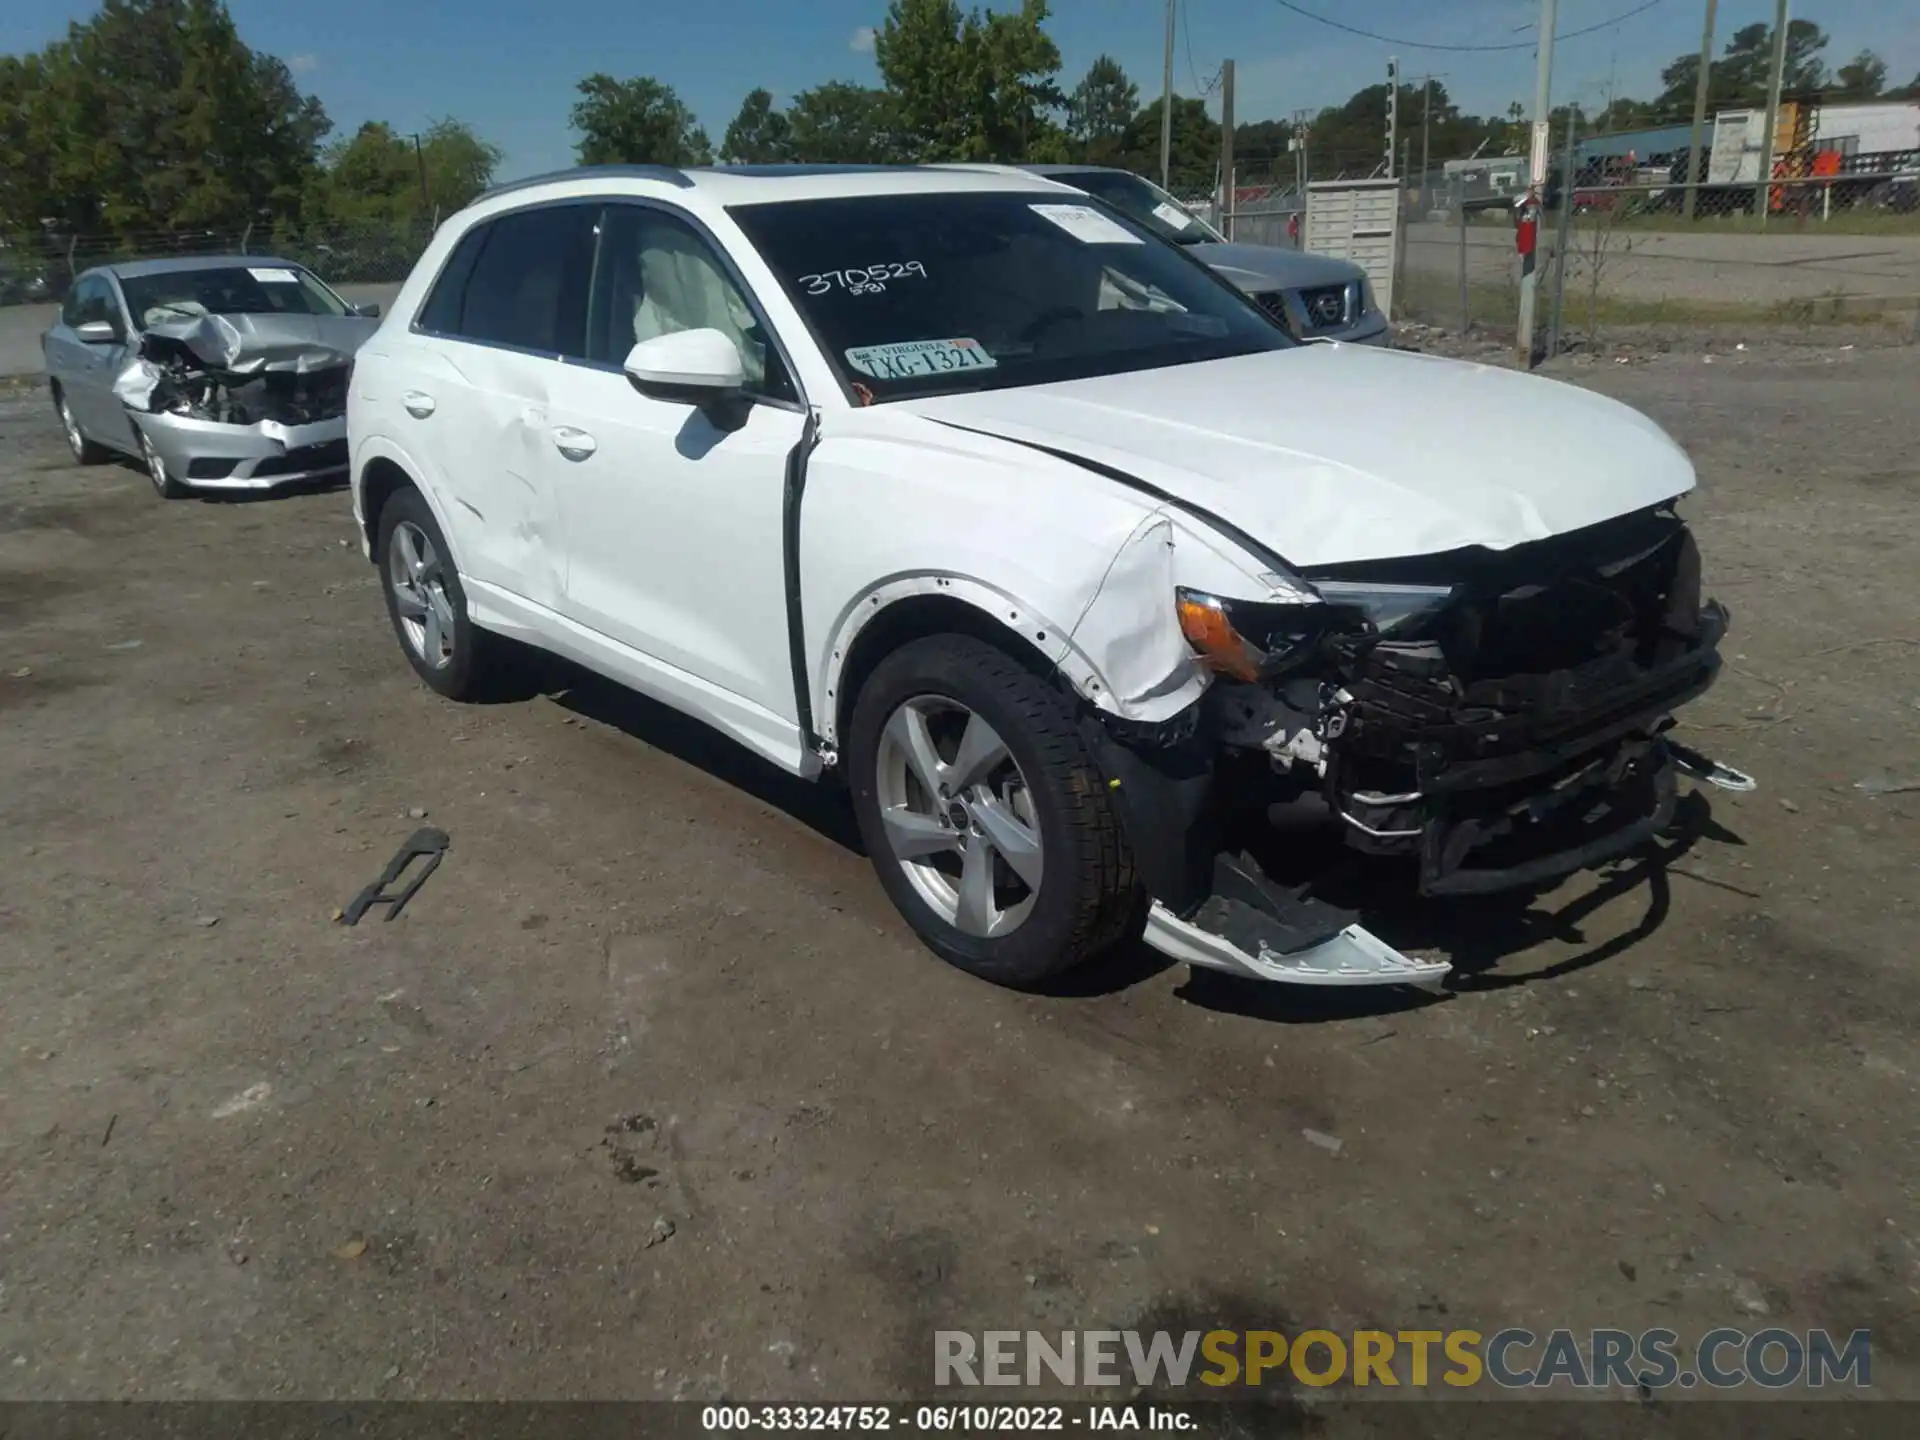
1335, 453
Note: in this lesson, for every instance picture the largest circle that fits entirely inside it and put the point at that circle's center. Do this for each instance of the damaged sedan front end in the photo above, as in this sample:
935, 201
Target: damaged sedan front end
243, 401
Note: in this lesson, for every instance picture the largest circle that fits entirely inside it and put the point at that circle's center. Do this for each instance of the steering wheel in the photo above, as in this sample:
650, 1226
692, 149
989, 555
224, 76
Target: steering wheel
1046, 320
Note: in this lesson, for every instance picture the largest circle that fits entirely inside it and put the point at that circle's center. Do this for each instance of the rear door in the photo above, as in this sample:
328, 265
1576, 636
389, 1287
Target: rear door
474, 379
87, 372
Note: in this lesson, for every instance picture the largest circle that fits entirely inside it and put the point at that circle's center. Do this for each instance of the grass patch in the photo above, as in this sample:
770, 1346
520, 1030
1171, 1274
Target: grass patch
1495, 305
1666, 222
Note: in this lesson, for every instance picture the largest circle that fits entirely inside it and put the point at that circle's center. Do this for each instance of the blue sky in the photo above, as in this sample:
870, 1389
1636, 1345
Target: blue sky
509, 67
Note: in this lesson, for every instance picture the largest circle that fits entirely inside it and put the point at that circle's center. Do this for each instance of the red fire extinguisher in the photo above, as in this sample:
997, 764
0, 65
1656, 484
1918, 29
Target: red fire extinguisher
1526, 228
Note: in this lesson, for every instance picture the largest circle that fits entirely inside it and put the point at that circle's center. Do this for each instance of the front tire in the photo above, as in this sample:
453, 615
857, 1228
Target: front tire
988, 823
85, 451
428, 605
164, 484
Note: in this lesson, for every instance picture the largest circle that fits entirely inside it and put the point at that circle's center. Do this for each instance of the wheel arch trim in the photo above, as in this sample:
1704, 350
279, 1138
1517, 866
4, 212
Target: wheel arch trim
376, 452
1006, 616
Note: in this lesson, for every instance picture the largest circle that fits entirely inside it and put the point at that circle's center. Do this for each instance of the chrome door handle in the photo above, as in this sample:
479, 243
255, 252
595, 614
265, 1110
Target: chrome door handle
572, 443
418, 405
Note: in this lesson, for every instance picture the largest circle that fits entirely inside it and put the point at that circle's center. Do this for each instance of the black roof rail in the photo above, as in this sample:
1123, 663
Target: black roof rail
666, 174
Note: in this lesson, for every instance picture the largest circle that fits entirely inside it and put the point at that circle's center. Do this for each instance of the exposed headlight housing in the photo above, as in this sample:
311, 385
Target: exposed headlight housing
1255, 639
1387, 608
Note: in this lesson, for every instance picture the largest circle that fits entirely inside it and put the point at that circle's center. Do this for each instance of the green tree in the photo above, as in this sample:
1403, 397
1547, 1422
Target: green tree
934, 64
381, 175
1100, 107
1862, 78
636, 122
1195, 151
154, 116
969, 86
759, 134
842, 124
28, 134
1023, 94
1744, 71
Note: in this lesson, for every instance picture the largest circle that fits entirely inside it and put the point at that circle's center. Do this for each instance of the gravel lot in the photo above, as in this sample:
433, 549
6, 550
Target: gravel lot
648, 1093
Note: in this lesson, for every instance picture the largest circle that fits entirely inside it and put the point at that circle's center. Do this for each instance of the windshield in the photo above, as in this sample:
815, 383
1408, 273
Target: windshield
1141, 200
932, 294
228, 290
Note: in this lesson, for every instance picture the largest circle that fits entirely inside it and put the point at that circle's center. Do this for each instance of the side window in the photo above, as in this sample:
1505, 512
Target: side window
441, 313
657, 274
104, 305
71, 309
89, 301
523, 282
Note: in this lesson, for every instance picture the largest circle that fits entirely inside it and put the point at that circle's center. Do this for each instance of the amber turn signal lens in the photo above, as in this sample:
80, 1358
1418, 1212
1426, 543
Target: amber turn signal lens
1204, 622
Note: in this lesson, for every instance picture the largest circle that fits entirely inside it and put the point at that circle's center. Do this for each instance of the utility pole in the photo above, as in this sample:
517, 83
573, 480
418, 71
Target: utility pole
420, 159
1696, 172
1773, 111
1426, 126
1166, 107
1426, 133
1537, 157
1393, 113
1226, 148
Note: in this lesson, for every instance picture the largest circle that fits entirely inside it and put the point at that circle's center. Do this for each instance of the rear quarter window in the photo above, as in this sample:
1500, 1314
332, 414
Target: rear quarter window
520, 280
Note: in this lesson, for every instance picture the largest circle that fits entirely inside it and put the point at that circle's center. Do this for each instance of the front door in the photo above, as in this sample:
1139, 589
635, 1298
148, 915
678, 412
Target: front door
673, 525
90, 370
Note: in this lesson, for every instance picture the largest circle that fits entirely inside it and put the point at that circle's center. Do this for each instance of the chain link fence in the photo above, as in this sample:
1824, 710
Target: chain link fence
1792, 252
368, 253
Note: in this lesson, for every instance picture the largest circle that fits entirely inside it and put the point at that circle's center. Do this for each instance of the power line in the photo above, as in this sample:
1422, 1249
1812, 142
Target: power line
1205, 87
1639, 9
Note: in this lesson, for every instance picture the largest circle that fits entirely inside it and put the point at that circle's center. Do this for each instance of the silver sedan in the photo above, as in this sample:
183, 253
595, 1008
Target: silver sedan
216, 372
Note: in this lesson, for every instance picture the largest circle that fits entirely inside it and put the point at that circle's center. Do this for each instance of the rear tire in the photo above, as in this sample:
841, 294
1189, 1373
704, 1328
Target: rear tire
971, 783
85, 452
428, 605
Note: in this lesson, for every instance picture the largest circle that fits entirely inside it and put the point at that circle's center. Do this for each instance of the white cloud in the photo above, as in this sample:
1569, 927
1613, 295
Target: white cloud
862, 41
303, 64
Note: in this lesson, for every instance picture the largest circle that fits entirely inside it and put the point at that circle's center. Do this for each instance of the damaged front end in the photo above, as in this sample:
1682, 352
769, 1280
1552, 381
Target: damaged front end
244, 401
1494, 719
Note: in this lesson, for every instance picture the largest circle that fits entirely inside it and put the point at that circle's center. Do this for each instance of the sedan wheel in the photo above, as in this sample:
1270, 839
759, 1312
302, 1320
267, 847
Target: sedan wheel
163, 481
84, 450
419, 586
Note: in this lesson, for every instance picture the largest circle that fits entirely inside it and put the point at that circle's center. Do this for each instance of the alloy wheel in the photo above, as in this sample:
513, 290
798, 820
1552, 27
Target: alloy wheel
156, 467
75, 440
419, 584
959, 816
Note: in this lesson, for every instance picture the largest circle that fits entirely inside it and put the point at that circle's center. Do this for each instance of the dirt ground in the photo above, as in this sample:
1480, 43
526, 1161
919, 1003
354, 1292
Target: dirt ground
649, 1094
